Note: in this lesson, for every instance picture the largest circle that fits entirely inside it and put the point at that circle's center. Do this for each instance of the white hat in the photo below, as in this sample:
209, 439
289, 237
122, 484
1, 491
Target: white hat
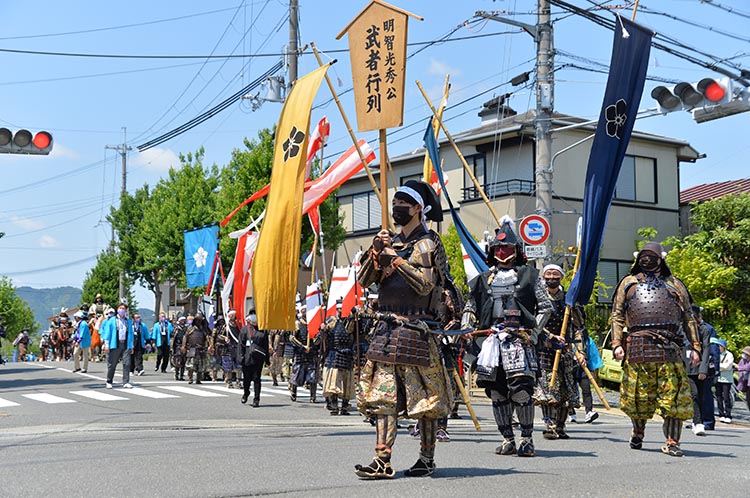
79, 314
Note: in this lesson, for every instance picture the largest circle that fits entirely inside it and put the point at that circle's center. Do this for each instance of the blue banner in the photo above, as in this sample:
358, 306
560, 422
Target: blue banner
200, 251
475, 253
627, 75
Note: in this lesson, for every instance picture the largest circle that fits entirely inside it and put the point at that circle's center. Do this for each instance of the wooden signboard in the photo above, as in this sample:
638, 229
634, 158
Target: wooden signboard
377, 48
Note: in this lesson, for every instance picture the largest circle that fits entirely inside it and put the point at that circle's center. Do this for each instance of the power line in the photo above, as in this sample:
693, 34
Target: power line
50, 268
713, 29
51, 179
731, 10
71, 220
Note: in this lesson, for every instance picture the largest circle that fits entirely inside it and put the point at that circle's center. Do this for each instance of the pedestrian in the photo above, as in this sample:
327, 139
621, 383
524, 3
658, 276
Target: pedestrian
118, 337
161, 337
252, 354
701, 377
81, 342
557, 399
141, 337
743, 367
724, 383
654, 305
195, 346
338, 366
305, 361
404, 371
512, 299
22, 342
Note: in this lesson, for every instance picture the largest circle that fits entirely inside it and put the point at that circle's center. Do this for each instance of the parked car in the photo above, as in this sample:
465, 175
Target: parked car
612, 369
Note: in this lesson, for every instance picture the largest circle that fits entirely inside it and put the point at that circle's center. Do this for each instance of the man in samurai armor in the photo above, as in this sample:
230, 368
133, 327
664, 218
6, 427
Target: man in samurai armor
654, 306
556, 400
178, 354
305, 361
195, 346
226, 348
276, 340
338, 363
511, 300
404, 373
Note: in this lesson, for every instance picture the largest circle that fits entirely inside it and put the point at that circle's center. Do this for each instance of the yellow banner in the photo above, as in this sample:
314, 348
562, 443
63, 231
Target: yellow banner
276, 262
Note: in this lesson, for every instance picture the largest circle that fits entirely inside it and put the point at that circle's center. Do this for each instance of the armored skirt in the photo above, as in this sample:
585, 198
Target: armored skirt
419, 391
565, 389
338, 381
650, 387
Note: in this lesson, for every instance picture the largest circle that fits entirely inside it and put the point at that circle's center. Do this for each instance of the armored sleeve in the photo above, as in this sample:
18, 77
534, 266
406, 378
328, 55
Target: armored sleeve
419, 271
689, 325
543, 307
368, 274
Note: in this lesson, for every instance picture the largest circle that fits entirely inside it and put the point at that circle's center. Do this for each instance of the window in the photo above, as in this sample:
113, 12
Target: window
611, 272
477, 163
637, 180
365, 211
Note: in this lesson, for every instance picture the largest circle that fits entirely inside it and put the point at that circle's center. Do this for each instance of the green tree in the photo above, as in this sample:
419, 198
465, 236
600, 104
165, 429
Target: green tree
104, 279
714, 263
16, 314
452, 244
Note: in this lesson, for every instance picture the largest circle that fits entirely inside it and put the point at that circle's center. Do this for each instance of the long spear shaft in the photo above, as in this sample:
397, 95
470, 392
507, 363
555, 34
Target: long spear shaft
460, 156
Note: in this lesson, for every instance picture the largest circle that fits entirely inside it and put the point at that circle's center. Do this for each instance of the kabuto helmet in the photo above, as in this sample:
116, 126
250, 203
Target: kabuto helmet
505, 236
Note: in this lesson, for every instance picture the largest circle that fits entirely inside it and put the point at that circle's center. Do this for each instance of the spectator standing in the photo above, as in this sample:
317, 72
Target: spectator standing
140, 339
744, 368
724, 383
117, 334
252, 354
161, 336
81, 342
701, 376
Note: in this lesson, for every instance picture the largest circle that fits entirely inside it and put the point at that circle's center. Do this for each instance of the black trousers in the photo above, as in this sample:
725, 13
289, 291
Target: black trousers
162, 357
251, 373
136, 365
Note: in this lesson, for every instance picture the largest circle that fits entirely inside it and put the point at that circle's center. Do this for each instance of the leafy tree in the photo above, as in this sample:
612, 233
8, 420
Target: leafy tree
16, 314
452, 244
714, 263
104, 279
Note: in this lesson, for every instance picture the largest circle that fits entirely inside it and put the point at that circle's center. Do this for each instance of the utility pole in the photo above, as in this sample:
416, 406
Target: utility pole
545, 103
293, 51
545, 100
123, 150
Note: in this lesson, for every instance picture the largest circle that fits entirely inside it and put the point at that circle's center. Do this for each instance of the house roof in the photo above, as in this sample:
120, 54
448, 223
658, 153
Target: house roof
708, 191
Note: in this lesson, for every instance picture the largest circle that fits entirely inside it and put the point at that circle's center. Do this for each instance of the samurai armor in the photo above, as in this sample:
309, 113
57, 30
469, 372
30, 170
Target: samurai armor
401, 345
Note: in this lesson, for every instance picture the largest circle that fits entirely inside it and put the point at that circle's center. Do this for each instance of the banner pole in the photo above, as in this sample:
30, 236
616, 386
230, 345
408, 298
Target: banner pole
426, 171
383, 180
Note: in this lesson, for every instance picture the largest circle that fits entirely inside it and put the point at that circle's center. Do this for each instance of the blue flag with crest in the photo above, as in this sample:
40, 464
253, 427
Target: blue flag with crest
200, 251
627, 75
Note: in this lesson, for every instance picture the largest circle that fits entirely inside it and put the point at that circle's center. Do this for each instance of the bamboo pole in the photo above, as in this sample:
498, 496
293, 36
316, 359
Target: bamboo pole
566, 317
635, 9
349, 129
460, 156
467, 401
314, 248
426, 172
383, 180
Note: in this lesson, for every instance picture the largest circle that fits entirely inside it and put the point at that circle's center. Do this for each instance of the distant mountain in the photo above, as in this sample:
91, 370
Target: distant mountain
47, 302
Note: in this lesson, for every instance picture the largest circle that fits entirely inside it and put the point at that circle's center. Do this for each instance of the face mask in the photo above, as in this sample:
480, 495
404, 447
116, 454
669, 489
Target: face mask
505, 253
137, 320
190, 322
163, 319
253, 319
648, 262
552, 283
121, 312
401, 215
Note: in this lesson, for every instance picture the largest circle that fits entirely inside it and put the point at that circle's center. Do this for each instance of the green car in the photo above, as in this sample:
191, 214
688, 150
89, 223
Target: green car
612, 369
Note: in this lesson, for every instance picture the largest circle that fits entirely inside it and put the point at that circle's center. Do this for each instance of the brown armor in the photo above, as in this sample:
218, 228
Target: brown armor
403, 345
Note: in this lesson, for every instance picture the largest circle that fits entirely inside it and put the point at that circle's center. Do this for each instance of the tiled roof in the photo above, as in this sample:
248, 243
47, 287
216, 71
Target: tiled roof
713, 190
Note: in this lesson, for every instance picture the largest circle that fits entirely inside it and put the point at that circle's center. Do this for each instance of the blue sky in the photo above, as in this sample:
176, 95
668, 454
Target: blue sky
52, 208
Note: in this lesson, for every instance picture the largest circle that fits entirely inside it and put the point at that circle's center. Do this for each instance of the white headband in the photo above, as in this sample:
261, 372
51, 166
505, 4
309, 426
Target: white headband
415, 195
553, 267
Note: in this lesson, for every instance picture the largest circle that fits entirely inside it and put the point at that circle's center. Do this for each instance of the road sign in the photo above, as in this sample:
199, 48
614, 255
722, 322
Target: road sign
534, 229
533, 252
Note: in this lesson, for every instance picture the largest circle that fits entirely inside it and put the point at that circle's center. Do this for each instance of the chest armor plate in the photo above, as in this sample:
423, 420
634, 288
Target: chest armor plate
554, 324
502, 288
396, 296
196, 338
653, 306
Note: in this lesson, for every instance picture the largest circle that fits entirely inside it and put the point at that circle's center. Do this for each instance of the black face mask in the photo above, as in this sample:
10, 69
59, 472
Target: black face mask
401, 215
552, 283
648, 262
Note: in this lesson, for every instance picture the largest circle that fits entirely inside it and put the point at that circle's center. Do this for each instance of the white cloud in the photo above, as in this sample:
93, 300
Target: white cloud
62, 152
48, 241
26, 223
440, 68
157, 159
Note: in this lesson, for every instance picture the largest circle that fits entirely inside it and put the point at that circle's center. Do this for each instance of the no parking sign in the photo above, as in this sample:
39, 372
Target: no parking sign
534, 229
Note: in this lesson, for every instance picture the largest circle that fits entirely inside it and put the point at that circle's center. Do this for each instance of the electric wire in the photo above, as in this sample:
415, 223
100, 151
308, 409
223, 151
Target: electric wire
731, 10
50, 268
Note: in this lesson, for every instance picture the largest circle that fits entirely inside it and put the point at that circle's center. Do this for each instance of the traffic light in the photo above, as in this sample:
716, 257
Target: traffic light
707, 99
24, 142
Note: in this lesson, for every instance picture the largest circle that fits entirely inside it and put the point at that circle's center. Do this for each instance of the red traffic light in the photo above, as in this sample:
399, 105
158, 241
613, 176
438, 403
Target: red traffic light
711, 90
42, 140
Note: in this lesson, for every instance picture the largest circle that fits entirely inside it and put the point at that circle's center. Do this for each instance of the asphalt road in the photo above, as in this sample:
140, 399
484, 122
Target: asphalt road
59, 436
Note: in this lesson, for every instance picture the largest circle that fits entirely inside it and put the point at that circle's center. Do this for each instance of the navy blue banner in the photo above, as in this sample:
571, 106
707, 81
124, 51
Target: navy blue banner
475, 253
627, 75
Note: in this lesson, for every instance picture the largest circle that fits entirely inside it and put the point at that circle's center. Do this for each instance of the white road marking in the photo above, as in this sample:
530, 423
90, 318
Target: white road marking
193, 391
98, 395
5, 402
48, 398
146, 393
225, 389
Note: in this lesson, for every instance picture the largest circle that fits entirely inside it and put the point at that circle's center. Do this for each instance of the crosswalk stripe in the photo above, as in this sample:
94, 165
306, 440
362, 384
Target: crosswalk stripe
193, 391
48, 398
98, 395
4, 403
138, 391
234, 391
301, 393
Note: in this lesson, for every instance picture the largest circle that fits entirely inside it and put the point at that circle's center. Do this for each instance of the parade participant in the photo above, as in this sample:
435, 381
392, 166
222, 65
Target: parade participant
404, 372
305, 361
512, 299
178, 355
195, 346
161, 336
557, 400
229, 355
22, 342
82, 342
338, 365
252, 354
117, 334
99, 307
654, 305
218, 339
276, 344
141, 338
